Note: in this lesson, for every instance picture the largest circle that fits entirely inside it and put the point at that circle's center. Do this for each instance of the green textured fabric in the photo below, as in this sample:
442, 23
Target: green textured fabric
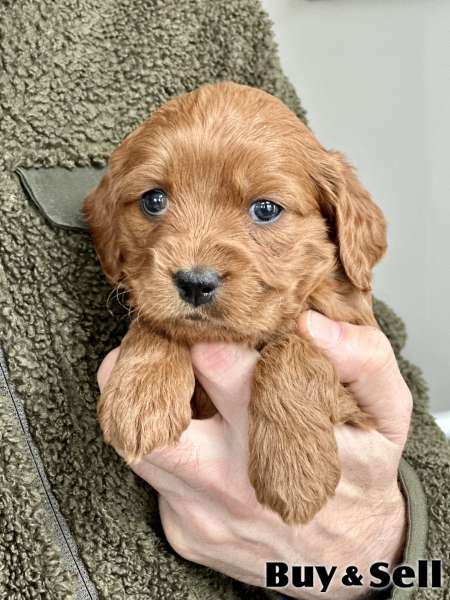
27, 541
426, 476
76, 77
417, 522
58, 193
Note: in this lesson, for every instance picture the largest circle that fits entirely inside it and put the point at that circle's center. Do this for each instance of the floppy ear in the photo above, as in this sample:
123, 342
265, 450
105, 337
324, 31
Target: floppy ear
99, 208
355, 221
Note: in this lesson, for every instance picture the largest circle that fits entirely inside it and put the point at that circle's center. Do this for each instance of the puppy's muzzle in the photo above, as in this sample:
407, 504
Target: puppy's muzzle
198, 285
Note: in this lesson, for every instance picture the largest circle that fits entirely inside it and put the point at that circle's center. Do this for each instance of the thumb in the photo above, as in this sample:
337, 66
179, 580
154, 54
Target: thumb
365, 362
225, 371
105, 369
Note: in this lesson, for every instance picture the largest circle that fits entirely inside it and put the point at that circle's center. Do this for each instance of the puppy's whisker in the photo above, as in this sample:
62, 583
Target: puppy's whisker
108, 299
136, 312
129, 312
117, 294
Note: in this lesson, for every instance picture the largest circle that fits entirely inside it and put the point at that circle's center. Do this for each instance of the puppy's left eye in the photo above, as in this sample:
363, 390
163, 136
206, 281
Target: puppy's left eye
265, 211
154, 202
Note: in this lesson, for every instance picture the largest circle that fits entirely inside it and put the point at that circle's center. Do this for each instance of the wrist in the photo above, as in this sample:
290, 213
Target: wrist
386, 541
381, 537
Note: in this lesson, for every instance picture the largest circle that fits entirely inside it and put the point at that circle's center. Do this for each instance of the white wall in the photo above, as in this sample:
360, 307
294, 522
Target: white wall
374, 76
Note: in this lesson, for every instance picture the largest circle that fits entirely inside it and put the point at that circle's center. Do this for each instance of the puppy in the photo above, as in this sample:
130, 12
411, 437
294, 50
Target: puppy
223, 218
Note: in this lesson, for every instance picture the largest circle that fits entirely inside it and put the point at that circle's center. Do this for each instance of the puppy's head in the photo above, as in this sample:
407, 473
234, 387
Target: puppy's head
222, 213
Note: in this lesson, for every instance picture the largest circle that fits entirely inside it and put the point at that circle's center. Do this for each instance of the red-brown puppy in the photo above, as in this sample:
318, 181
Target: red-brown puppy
224, 218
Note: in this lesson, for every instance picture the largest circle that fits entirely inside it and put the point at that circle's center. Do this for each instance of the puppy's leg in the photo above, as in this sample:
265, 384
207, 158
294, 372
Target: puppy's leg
146, 402
296, 399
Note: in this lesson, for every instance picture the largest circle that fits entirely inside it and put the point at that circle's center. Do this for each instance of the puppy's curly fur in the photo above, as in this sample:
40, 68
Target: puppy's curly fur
214, 151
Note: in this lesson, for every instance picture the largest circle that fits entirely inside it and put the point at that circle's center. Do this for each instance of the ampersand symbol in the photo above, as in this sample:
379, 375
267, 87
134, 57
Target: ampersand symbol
351, 576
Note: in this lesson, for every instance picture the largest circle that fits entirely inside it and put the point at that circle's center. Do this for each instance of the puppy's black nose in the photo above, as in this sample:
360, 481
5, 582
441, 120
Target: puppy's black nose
198, 285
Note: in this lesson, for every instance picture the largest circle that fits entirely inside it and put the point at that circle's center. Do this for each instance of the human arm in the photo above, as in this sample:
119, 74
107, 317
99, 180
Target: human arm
208, 508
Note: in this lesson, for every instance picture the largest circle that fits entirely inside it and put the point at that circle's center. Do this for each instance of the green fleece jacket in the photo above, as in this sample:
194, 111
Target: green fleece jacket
75, 77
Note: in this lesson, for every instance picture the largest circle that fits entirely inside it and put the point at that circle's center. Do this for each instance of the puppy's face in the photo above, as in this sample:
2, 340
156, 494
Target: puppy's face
220, 215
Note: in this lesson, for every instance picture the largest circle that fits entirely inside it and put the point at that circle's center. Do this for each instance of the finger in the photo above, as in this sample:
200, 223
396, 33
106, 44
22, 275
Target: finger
163, 468
367, 455
205, 440
194, 459
226, 372
161, 479
365, 361
105, 369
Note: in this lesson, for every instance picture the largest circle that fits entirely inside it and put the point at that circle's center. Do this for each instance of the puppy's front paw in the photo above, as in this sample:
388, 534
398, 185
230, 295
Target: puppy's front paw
146, 404
294, 465
293, 472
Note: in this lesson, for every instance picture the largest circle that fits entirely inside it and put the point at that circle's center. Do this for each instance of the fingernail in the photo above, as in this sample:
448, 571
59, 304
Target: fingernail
323, 330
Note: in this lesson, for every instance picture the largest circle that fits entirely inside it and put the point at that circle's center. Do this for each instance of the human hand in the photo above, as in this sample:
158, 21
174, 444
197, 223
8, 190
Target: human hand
208, 508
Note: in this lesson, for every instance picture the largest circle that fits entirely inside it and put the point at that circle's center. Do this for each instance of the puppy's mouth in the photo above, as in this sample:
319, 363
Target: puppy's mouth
196, 317
211, 315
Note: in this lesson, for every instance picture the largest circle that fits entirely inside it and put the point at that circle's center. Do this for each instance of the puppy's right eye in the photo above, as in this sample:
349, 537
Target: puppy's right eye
154, 202
265, 211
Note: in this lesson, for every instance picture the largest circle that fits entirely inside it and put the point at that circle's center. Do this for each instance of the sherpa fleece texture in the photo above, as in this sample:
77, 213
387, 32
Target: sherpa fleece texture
76, 76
